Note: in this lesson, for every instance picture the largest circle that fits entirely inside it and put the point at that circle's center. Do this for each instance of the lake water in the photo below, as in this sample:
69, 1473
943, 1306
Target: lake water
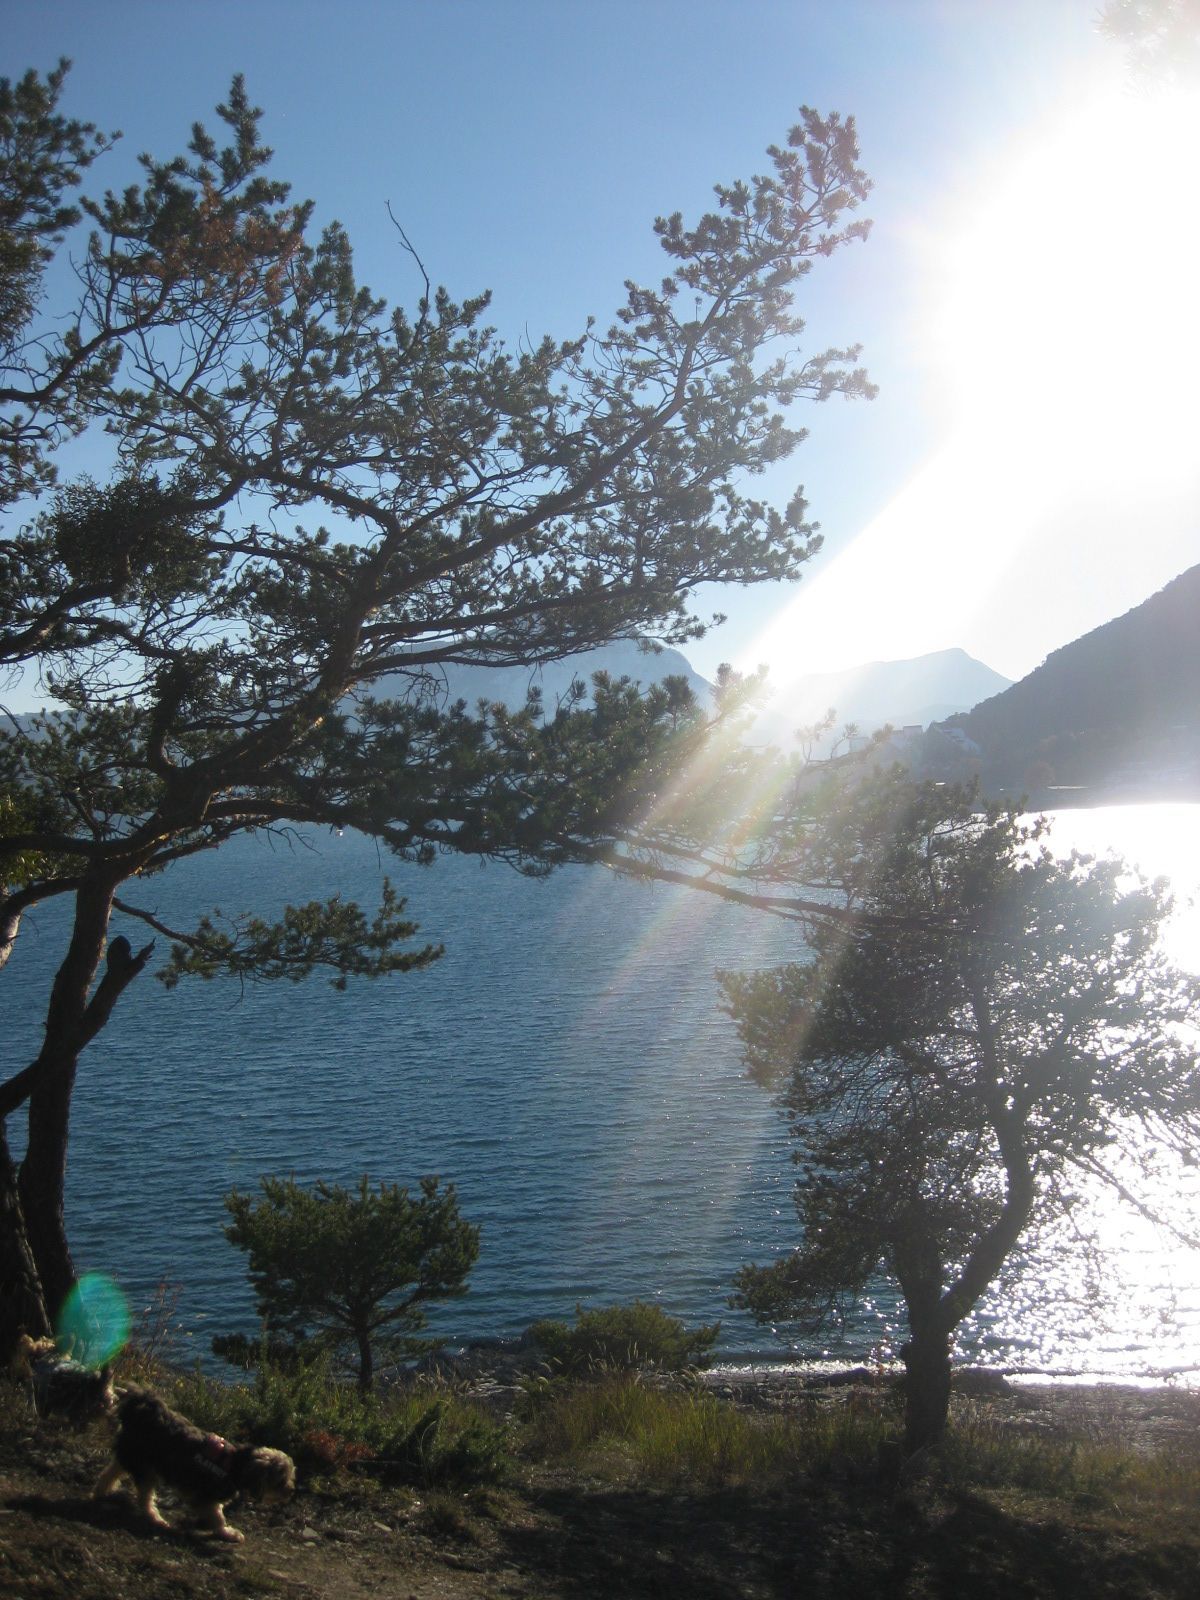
566, 1065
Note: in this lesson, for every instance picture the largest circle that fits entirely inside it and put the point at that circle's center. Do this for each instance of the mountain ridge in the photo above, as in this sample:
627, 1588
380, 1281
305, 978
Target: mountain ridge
510, 686
1117, 707
915, 690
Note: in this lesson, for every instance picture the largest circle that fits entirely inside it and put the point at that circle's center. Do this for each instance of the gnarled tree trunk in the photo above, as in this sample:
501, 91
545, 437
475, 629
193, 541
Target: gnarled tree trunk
42, 1180
76, 1013
22, 1304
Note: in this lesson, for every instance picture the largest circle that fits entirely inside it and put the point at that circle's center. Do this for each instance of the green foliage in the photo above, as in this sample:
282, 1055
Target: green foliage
620, 1430
415, 1436
979, 1451
43, 156
354, 1269
985, 1023
622, 1338
1161, 39
332, 934
20, 867
275, 1351
314, 492
490, 507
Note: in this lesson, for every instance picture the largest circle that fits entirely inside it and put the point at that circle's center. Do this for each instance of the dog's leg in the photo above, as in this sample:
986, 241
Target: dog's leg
221, 1529
146, 1504
108, 1480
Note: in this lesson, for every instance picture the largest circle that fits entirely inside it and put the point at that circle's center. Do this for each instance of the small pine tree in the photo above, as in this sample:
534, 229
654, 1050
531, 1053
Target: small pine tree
344, 1266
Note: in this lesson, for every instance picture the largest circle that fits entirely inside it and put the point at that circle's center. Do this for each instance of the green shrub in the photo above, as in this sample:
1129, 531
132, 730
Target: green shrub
241, 1351
622, 1339
413, 1436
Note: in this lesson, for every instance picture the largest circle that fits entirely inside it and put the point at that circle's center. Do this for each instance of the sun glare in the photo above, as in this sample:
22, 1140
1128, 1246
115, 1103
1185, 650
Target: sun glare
1070, 305
1064, 322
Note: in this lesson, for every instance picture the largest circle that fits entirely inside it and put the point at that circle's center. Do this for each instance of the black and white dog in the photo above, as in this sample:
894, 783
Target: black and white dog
156, 1447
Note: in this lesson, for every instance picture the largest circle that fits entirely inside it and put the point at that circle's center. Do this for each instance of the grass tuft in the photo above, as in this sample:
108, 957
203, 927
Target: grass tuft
1098, 1469
624, 1428
412, 1435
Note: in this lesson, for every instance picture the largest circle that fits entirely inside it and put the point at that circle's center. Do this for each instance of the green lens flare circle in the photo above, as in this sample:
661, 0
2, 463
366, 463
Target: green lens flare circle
93, 1325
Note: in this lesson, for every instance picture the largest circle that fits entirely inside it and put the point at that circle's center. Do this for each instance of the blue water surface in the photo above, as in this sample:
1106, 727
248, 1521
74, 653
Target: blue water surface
566, 1065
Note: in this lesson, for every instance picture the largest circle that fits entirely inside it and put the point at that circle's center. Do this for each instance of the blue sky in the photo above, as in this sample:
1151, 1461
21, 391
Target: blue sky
1028, 470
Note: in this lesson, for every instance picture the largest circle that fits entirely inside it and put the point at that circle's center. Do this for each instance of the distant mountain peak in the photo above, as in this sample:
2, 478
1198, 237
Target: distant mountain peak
510, 686
917, 690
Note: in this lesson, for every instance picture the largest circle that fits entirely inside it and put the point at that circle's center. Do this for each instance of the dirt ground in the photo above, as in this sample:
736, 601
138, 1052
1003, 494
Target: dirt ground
548, 1536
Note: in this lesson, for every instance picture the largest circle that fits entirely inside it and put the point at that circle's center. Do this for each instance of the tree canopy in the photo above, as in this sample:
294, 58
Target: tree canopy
309, 489
988, 1024
349, 1267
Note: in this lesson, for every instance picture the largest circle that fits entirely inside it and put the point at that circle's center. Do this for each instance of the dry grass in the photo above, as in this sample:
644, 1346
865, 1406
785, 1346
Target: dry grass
620, 1489
623, 1429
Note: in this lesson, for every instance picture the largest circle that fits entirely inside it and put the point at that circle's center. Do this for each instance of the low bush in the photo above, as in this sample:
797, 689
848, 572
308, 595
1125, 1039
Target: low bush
416, 1435
622, 1339
247, 1354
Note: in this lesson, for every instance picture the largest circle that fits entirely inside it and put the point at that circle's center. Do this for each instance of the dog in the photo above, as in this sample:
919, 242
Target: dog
57, 1386
156, 1446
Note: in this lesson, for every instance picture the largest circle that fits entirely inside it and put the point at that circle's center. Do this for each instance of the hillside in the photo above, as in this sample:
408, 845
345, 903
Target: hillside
918, 691
1118, 709
771, 1493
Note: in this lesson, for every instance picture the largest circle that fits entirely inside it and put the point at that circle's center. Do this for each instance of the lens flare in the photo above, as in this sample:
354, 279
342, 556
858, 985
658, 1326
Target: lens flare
93, 1325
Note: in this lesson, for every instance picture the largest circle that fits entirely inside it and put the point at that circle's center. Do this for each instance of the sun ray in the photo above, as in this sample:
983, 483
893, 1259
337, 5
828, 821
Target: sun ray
1064, 321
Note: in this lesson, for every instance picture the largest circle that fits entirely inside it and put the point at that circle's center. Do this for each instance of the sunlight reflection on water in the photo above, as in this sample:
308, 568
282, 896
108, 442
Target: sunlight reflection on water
1160, 840
567, 1065
1118, 1295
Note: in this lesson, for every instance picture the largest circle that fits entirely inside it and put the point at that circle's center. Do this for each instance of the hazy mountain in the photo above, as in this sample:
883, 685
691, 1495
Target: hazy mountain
918, 691
510, 685
1117, 708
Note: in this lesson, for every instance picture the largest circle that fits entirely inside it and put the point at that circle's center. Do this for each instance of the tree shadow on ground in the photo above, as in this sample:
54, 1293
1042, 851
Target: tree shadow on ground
828, 1542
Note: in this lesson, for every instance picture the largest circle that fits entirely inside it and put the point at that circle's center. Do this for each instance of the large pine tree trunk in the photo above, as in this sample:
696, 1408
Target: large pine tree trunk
76, 1013
22, 1304
42, 1180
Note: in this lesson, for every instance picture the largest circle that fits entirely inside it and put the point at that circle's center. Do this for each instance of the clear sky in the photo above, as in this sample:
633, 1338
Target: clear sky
1027, 300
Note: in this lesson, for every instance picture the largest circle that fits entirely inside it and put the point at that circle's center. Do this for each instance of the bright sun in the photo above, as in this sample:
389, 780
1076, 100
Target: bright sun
1070, 296
1065, 320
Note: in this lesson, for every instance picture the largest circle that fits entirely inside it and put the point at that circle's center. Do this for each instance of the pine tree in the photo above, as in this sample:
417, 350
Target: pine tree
983, 1026
310, 490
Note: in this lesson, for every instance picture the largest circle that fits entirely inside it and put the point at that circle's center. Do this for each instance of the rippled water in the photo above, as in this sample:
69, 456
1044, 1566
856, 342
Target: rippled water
566, 1064
1126, 1302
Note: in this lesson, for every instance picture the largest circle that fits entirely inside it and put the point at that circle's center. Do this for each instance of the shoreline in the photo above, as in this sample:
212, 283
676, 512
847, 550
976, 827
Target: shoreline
515, 1357
825, 1374
1148, 1409
1145, 1415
